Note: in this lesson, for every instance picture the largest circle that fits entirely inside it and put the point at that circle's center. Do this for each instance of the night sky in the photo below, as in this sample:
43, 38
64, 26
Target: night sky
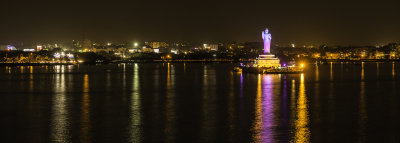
356, 22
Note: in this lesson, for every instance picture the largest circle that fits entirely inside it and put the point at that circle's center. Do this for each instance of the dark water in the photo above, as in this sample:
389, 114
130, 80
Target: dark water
199, 103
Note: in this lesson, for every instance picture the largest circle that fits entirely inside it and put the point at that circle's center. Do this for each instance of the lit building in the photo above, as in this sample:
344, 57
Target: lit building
214, 47
7, 47
211, 47
87, 44
39, 47
268, 60
147, 50
134, 50
392, 55
379, 55
331, 55
156, 44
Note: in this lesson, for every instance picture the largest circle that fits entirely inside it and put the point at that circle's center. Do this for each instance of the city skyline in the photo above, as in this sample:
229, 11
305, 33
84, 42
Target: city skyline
311, 22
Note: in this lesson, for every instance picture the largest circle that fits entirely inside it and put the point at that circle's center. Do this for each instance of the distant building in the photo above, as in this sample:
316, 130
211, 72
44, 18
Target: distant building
379, 55
87, 44
392, 55
214, 47
39, 47
156, 44
101, 49
147, 49
7, 47
210, 47
76, 45
331, 55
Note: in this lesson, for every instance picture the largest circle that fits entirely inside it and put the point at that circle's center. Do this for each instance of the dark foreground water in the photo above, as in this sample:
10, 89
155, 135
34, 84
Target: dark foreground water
196, 102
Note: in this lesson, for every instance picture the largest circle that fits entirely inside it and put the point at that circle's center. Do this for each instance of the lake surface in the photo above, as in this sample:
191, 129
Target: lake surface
195, 102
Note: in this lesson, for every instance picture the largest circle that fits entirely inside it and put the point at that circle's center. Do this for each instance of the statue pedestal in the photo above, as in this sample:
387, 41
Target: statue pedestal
267, 60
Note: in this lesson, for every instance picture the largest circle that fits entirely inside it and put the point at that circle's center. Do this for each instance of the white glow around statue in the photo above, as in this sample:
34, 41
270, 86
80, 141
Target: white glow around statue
267, 41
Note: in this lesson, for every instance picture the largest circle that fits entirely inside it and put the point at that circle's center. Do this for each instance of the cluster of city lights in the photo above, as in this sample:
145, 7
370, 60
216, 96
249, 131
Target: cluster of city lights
62, 54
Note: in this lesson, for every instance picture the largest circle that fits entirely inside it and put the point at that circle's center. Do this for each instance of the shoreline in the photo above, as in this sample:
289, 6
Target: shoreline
193, 61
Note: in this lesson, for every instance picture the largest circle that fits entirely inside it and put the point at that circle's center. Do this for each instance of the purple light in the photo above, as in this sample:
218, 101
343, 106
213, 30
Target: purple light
267, 108
241, 84
267, 41
10, 47
57, 55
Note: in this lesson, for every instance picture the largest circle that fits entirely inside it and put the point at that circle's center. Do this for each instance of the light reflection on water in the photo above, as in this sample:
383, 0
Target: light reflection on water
60, 113
302, 132
136, 117
362, 121
324, 104
231, 108
31, 79
208, 104
85, 108
393, 71
170, 130
264, 112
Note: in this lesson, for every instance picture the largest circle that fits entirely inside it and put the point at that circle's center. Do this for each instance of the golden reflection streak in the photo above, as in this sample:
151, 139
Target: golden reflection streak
341, 70
377, 70
123, 77
316, 73
362, 115
57, 68
393, 71
33, 109
22, 69
317, 113
59, 115
136, 115
257, 127
85, 123
293, 103
331, 108
108, 83
31, 79
302, 132
184, 67
362, 71
8, 69
170, 112
231, 109
331, 73
208, 105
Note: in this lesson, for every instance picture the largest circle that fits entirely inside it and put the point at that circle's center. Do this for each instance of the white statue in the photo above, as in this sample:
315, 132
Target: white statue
267, 41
